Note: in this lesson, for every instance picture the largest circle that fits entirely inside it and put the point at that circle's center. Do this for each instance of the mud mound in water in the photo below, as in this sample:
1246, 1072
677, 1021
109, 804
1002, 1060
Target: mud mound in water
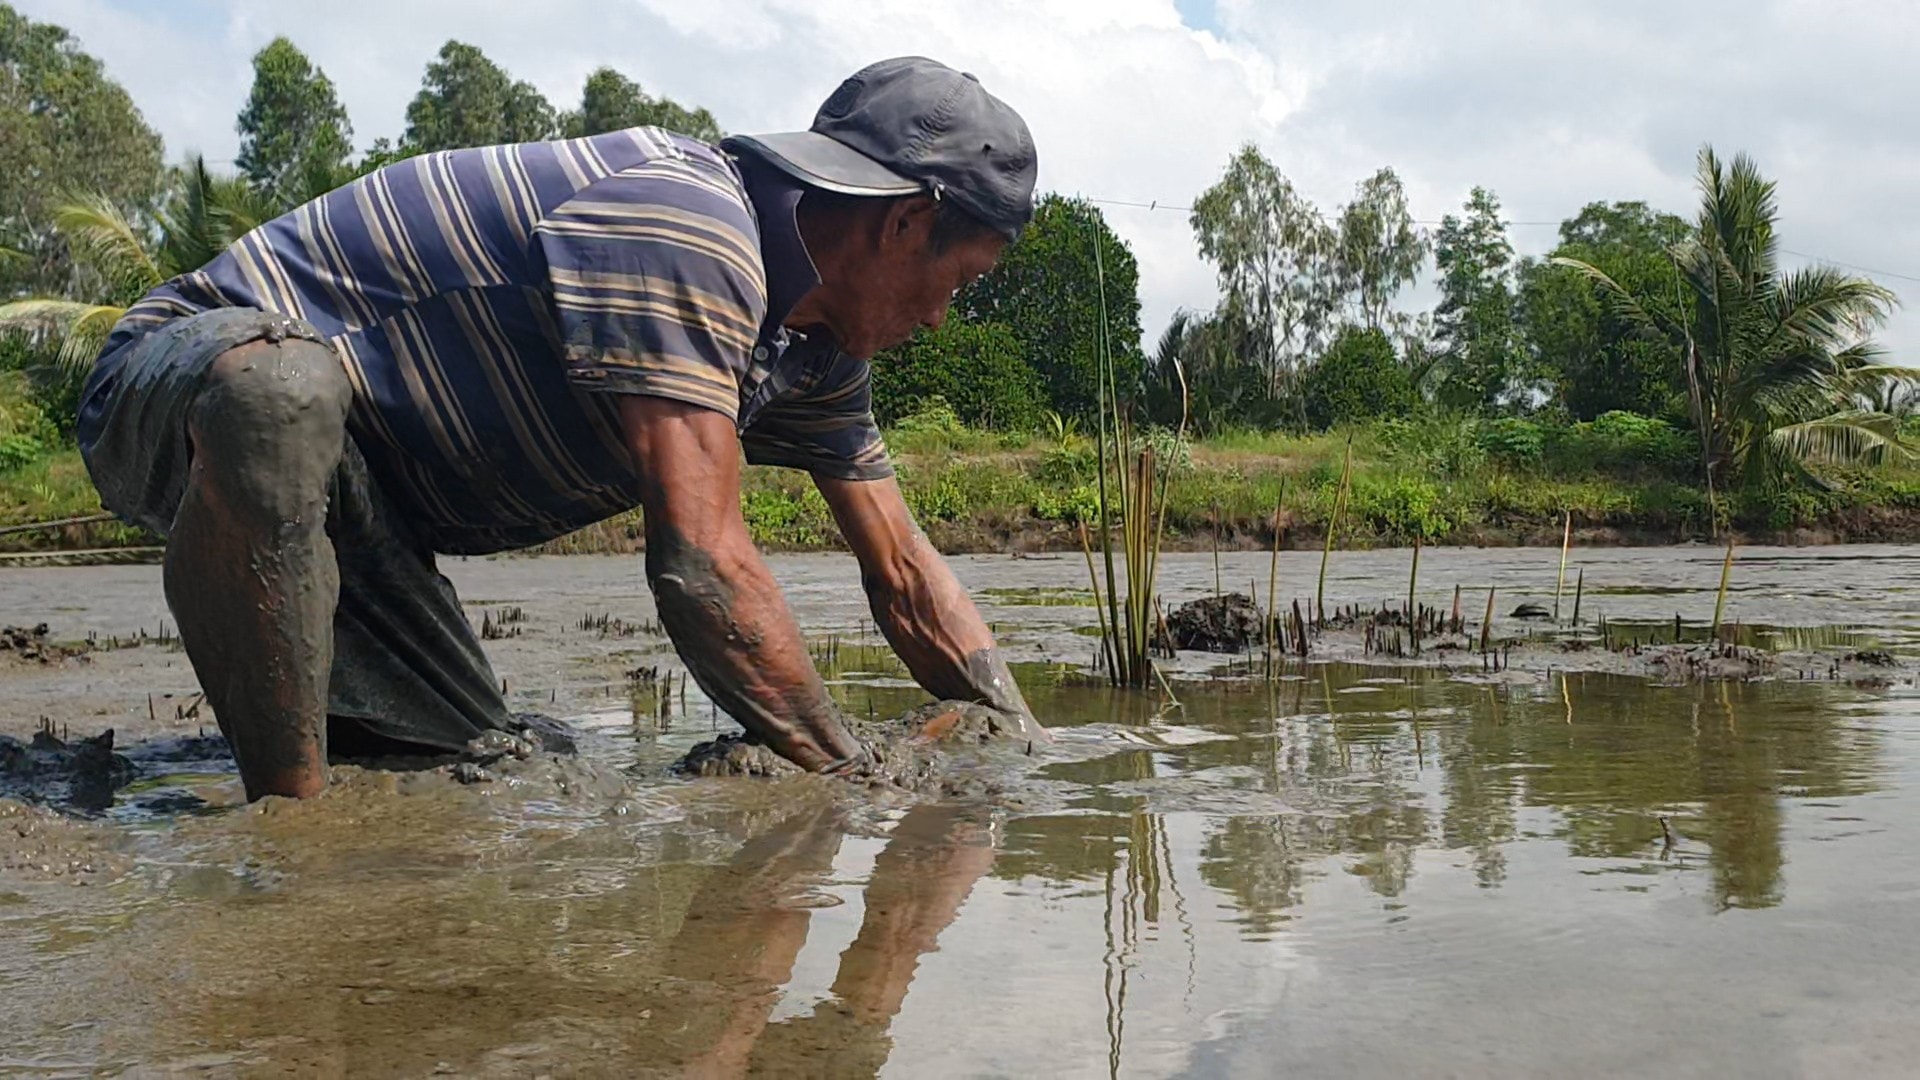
86, 774
30, 643
83, 773
1222, 624
904, 754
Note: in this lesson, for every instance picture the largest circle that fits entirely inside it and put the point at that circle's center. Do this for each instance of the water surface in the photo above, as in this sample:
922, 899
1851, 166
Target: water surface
1352, 870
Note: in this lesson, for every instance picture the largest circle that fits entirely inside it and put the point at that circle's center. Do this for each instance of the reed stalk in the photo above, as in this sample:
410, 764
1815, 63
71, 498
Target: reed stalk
1579, 587
1413, 579
1333, 524
1273, 578
1486, 624
1132, 486
1216, 552
1720, 601
1566, 541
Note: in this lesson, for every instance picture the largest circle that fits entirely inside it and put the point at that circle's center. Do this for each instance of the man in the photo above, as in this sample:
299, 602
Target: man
483, 349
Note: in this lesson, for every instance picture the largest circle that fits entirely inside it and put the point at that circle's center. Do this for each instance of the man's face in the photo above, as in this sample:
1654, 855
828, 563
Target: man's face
895, 283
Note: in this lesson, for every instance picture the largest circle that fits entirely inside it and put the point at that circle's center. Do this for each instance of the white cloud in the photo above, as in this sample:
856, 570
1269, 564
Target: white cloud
1551, 106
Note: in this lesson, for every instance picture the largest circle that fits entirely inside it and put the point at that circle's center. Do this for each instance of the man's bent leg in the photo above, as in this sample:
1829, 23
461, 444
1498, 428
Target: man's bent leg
407, 667
250, 572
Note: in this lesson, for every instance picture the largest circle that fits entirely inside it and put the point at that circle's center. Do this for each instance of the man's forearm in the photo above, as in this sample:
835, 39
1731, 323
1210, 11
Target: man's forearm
933, 625
731, 627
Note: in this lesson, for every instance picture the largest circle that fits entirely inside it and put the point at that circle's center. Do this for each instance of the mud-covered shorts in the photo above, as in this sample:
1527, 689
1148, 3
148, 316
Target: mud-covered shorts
406, 664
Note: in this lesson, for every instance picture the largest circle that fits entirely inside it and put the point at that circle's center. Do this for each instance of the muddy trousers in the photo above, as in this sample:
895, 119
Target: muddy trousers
405, 666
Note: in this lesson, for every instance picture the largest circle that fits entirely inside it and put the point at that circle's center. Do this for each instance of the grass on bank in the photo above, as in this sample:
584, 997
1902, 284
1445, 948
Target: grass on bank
978, 490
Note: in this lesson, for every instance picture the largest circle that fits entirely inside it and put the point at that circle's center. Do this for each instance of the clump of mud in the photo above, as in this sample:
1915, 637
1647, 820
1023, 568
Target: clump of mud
83, 773
1707, 661
31, 644
1222, 624
909, 753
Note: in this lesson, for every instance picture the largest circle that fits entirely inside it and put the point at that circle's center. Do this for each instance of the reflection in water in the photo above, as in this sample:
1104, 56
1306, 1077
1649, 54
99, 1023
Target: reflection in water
745, 929
1185, 857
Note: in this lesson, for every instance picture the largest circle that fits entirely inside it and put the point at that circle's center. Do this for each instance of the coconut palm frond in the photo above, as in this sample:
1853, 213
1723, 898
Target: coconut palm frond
1629, 306
76, 330
103, 238
1874, 373
1843, 437
1825, 304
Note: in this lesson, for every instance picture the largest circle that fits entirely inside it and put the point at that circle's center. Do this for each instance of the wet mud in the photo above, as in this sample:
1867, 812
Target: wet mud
912, 753
1240, 881
1221, 624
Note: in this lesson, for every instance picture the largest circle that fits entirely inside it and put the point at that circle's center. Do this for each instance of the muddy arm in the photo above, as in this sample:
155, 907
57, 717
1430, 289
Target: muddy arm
921, 607
716, 597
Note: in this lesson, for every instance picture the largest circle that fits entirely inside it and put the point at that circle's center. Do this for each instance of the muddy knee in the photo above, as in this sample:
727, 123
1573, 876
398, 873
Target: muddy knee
269, 425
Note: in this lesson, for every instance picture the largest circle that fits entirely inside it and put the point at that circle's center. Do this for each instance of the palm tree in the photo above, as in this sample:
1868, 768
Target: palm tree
1774, 361
1200, 370
123, 259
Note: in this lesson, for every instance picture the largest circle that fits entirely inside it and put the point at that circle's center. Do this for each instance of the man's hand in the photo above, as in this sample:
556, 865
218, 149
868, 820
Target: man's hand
921, 607
715, 596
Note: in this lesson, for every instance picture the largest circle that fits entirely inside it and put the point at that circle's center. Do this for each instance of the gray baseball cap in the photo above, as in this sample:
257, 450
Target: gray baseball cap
911, 125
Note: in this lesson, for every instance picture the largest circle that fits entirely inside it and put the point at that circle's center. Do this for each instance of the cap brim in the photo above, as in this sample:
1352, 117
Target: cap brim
821, 161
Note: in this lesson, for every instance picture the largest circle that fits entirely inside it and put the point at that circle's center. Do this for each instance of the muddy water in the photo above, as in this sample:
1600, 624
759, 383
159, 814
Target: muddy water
1349, 870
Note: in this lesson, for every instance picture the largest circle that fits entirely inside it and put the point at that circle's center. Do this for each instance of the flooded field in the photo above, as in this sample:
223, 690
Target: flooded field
1588, 863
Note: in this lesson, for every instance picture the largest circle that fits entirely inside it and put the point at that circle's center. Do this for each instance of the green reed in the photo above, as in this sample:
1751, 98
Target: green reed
1132, 488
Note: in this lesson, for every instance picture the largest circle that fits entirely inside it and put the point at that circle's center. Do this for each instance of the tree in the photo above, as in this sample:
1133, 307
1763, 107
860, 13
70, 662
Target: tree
1379, 250
1594, 360
293, 129
1268, 246
1199, 372
466, 100
202, 216
1358, 378
65, 127
1474, 322
1773, 363
1049, 288
976, 367
613, 102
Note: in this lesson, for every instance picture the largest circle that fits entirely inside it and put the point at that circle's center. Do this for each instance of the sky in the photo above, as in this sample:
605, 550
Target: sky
1549, 105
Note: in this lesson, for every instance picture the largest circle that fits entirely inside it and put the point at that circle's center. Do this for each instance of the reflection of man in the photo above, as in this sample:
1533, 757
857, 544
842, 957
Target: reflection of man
750, 933
479, 350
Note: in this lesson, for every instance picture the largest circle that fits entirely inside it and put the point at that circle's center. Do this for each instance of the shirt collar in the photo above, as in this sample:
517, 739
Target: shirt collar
783, 252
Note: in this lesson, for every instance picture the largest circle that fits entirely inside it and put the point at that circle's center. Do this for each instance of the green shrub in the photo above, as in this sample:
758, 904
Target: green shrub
1625, 443
17, 451
1357, 378
786, 516
975, 368
1079, 503
1066, 465
1400, 507
941, 499
1443, 445
1512, 441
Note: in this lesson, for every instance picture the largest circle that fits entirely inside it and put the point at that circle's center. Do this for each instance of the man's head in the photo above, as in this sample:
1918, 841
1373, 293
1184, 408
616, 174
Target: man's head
916, 179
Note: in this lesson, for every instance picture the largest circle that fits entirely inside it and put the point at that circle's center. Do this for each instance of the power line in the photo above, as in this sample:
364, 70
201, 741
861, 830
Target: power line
1853, 266
1868, 270
1321, 213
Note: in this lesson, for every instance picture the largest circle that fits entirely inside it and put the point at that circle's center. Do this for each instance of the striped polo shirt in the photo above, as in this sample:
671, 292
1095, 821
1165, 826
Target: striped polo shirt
490, 304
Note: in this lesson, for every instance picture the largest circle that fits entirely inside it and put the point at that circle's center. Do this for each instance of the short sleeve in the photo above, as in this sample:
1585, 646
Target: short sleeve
658, 286
825, 428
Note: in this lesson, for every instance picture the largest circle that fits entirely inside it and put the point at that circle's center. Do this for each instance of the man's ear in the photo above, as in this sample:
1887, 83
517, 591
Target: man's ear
909, 217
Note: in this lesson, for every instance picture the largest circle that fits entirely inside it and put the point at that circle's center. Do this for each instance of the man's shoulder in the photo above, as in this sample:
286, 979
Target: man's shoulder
645, 162
685, 204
